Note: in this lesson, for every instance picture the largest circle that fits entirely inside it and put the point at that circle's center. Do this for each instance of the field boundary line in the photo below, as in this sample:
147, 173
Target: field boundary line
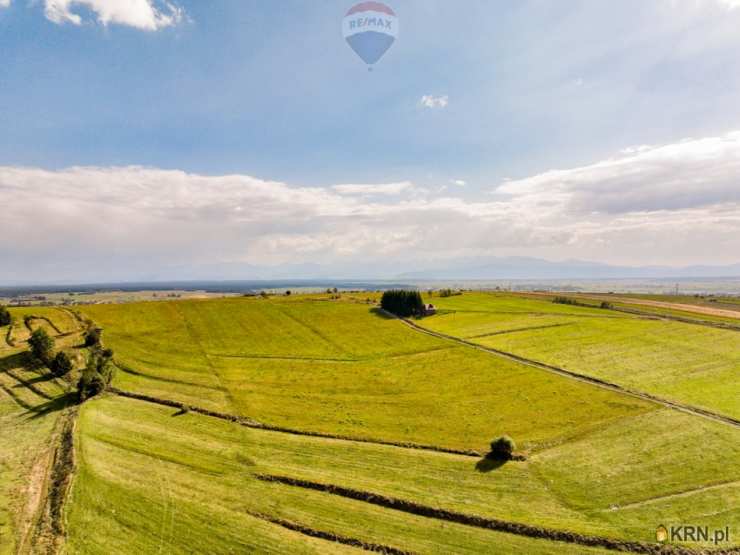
515, 330
9, 336
254, 424
476, 521
329, 536
27, 321
686, 493
689, 409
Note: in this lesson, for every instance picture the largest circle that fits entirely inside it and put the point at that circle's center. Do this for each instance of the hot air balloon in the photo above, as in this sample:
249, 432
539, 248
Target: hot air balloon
370, 28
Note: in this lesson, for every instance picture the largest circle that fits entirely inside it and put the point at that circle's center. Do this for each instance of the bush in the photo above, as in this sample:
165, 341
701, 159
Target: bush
402, 302
565, 300
606, 305
448, 293
42, 345
92, 337
97, 375
5, 318
61, 364
502, 448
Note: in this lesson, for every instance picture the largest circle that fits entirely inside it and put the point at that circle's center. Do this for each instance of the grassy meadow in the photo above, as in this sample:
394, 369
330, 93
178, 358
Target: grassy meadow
693, 364
188, 482
339, 367
153, 479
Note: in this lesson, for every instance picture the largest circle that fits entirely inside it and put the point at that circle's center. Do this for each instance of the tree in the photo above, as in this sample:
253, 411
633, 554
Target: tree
61, 364
502, 448
5, 317
42, 345
402, 302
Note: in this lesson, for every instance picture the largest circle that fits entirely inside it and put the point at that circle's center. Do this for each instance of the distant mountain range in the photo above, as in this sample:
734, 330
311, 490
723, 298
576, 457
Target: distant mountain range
535, 268
410, 271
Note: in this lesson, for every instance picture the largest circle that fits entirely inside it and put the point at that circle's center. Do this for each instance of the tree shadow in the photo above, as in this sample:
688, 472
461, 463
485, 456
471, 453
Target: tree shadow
54, 405
16, 360
488, 463
380, 313
41, 378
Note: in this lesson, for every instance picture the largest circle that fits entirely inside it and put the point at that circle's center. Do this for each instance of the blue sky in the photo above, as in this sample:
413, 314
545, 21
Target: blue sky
484, 94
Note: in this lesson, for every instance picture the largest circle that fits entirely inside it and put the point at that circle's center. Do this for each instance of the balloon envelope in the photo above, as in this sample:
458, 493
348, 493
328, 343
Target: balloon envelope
370, 28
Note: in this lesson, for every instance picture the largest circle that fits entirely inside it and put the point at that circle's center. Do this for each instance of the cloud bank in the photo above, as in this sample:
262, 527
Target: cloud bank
670, 204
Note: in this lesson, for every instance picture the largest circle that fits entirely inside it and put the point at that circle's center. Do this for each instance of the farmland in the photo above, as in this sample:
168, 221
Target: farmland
312, 396
693, 364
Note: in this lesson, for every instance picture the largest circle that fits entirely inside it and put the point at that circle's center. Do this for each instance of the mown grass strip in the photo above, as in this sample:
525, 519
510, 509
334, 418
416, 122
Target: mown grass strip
330, 536
251, 423
515, 528
582, 377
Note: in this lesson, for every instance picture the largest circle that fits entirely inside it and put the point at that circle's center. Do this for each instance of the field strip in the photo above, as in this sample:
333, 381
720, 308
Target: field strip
126, 369
16, 398
448, 312
696, 309
316, 331
29, 385
659, 315
581, 377
283, 357
214, 372
515, 528
529, 328
254, 424
330, 536
680, 494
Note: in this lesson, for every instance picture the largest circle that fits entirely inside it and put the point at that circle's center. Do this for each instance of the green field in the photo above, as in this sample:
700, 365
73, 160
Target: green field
693, 364
339, 367
31, 402
154, 479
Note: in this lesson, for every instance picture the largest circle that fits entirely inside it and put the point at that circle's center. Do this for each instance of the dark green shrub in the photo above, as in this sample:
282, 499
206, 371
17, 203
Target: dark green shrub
61, 364
564, 300
92, 337
502, 447
97, 375
5, 318
606, 305
402, 302
41, 345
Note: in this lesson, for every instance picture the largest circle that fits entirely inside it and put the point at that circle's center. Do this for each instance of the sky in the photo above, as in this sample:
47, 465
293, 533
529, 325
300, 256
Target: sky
152, 139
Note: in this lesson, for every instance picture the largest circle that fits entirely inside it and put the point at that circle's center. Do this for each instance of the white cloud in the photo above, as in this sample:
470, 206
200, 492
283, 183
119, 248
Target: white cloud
380, 189
729, 4
459, 182
142, 14
688, 174
4, 3
671, 204
431, 101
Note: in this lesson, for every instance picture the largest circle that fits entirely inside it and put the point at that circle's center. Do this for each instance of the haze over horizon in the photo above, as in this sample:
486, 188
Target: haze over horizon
155, 140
